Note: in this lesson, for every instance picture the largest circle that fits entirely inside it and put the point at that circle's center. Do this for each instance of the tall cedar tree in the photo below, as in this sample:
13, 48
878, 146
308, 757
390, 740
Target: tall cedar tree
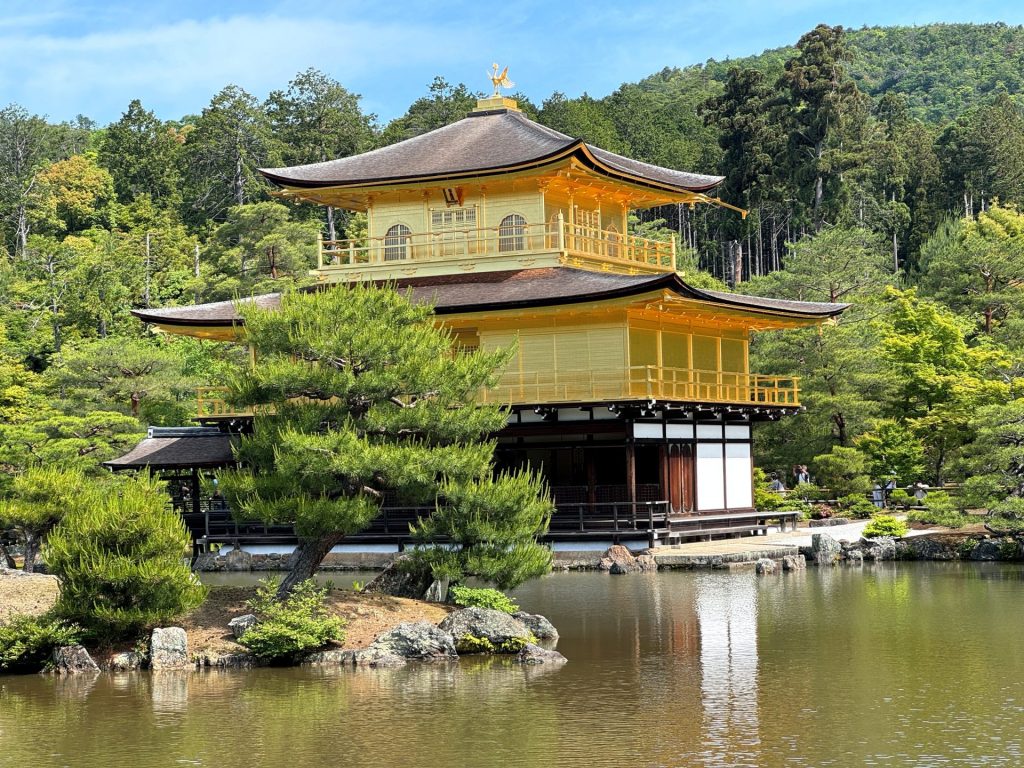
824, 110
361, 399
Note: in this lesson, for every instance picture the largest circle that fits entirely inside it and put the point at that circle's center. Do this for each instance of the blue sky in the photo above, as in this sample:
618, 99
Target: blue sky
62, 58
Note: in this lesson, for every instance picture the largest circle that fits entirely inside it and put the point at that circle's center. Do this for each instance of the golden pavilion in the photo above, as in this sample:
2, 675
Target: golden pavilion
630, 390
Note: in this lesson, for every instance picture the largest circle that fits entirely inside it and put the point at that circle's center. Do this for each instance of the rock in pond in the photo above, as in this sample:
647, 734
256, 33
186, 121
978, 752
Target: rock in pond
485, 623
826, 549
765, 565
72, 660
542, 628
617, 559
855, 557
241, 624
396, 580
881, 548
794, 563
331, 657
417, 640
226, 661
126, 662
376, 657
168, 649
534, 654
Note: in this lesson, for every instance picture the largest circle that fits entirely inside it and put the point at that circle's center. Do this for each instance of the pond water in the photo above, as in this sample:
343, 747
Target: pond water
895, 664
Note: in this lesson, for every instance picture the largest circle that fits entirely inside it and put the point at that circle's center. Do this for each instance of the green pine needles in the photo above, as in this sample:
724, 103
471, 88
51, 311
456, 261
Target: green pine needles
364, 398
120, 554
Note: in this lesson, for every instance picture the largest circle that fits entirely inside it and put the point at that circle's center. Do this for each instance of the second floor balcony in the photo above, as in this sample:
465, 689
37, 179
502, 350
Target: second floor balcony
646, 382
402, 251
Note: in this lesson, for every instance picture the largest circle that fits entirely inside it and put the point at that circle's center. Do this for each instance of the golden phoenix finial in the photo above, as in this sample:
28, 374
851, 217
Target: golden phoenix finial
499, 80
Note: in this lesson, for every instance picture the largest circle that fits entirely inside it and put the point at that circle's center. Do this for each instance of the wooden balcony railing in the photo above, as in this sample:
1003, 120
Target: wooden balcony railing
644, 382
639, 382
555, 237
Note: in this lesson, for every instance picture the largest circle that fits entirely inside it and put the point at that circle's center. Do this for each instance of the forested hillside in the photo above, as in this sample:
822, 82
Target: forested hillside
883, 167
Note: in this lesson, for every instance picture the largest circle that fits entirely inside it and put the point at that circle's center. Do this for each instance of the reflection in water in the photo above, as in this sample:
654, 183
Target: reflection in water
889, 665
727, 612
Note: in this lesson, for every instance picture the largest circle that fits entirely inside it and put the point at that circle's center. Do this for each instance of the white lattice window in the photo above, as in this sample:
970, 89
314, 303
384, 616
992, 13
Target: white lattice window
442, 219
512, 233
396, 243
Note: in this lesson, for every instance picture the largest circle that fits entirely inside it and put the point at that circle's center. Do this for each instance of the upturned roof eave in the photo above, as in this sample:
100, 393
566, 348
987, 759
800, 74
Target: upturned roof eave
579, 150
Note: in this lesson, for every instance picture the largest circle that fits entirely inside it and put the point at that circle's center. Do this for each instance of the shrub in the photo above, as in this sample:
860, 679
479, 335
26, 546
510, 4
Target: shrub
843, 470
980, 492
26, 642
468, 597
885, 525
765, 499
120, 555
940, 510
900, 498
821, 512
857, 506
472, 644
286, 629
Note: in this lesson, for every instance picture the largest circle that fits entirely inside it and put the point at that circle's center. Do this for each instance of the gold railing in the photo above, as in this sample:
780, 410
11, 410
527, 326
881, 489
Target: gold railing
644, 382
210, 402
556, 237
640, 382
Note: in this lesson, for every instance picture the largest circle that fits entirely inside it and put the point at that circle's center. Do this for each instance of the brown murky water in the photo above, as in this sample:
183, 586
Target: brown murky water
896, 665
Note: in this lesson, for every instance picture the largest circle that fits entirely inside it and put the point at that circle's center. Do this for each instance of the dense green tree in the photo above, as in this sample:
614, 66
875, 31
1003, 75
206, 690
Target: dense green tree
71, 196
230, 140
24, 150
259, 248
141, 154
583, 118
824, 114
363, 398
894, 452
445, 104
120, 553
125, 374
975, 266
39, 499
318, 119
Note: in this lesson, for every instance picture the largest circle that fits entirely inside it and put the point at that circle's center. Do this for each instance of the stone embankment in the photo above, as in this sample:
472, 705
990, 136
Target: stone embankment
825, 550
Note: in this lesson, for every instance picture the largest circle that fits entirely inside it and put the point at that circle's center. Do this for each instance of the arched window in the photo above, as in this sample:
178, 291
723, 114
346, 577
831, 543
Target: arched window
512, 233
396, 243
612, 235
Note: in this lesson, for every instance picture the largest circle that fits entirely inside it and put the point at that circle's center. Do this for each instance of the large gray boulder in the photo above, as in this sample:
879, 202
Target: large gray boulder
765, 566
880, 548
794, 563
542, 628
534, 654
377, 658
126, 662
72, 660
618, 560
242, 624
417, 640
168, 649
398, 581
331, 657
825, 549
487, 624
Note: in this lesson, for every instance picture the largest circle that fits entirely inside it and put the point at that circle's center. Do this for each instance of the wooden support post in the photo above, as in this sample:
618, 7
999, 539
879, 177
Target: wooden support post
319, 250
631, 473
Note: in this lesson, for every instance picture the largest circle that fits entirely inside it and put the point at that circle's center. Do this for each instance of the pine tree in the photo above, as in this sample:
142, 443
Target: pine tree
40, 497
360, 398
121, 555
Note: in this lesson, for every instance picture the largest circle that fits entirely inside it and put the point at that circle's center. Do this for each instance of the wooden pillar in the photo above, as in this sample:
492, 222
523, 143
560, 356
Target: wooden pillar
588, 459
631, 472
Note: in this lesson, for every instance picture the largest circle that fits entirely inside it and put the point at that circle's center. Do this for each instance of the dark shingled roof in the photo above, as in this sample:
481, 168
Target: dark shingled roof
488, 291
177, 453
484, 142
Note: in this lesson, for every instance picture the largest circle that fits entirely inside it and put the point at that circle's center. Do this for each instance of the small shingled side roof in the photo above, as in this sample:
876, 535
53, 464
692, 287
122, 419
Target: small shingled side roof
491, 291
176, 453
484, 142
